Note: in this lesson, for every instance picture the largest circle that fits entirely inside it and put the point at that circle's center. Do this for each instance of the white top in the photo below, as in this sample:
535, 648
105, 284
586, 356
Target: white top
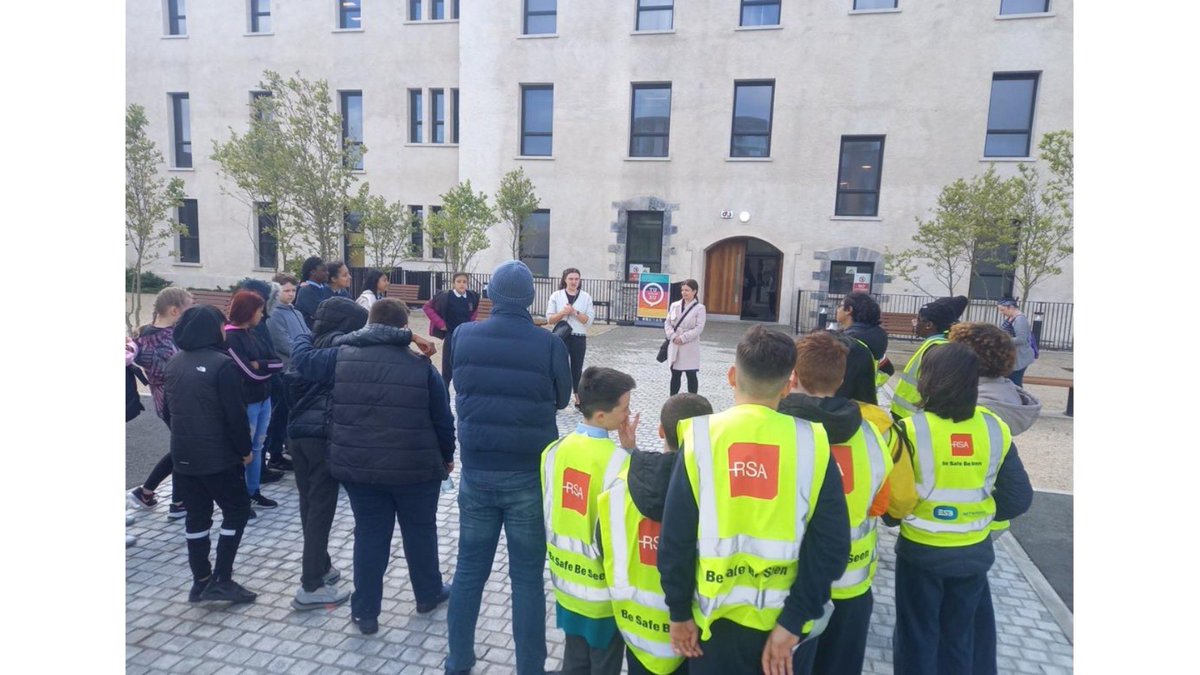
366, 299
583, 305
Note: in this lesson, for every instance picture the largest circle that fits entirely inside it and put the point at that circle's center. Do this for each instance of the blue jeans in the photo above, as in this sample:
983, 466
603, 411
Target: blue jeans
488, 500
260, 418
377, 508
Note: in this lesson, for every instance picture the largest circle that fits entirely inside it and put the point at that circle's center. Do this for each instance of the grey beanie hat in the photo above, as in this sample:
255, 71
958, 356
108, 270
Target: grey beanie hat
511, 285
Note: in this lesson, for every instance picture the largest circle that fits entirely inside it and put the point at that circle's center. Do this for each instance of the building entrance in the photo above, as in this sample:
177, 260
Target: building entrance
741, 279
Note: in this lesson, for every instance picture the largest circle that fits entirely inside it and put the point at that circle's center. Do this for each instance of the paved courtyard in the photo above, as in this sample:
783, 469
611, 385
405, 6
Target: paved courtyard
166, 634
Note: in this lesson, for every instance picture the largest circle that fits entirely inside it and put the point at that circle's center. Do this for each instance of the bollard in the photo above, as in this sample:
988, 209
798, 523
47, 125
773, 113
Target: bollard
1036, 329
822, 316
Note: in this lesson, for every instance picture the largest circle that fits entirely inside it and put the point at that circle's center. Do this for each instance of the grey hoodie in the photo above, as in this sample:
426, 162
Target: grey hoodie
286, 322
1018, 408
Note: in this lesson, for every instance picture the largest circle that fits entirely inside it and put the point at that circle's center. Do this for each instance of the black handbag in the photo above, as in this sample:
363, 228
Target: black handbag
562, 329
666, 344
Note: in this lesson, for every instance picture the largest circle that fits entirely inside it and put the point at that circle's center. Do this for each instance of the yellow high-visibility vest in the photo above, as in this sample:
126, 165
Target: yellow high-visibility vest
955, 465
865, 464
575, 470
907, 400
755, 474
630, 567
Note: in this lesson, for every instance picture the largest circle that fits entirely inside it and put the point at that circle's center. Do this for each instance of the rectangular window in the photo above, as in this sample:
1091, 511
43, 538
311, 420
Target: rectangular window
176, 17
437, 249
189, 237
437, 101
644, 240
353, 247
650, 125
859, 172
537, 120
988, 281
541, 17
454, 125
656, 14
260, 16
752, 105
352, 125
268, 245
843, 273
875, 4
415, 133
1010, 115
349, 13
417, 248
438, 10
454, 9
414, 10
760, 12
535, 242
181, 130
1024, 6
255, 112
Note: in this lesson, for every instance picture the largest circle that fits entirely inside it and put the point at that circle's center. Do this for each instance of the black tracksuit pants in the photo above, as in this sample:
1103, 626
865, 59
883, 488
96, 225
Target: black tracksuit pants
734, 648
842, 646
228, 490
318, 503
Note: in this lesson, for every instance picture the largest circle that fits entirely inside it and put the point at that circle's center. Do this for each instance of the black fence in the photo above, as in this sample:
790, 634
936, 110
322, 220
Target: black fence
1053, 322
615, 301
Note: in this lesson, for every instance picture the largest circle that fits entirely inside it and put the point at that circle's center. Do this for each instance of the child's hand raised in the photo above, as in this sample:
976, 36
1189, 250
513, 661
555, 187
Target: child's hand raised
627, 432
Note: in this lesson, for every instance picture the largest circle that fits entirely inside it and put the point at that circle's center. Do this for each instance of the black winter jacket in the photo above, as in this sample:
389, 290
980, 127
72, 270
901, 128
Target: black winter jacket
204, 405
308, 400
256, 362
876, 339
382, 427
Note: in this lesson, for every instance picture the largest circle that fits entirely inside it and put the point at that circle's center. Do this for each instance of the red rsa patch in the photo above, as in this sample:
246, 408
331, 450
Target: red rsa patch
844, 456
648, 532
962, 445
753, 470
575, 490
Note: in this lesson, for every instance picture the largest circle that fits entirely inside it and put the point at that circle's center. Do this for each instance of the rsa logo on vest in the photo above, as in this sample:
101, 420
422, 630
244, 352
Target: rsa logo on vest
647, 541
753, 470
962, 445
575, 490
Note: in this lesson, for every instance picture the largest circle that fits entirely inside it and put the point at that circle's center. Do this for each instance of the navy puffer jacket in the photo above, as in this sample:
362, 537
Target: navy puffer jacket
309, 401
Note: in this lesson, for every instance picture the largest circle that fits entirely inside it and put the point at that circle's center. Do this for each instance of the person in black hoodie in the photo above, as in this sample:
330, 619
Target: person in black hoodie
859, 317
256, 362
205, 409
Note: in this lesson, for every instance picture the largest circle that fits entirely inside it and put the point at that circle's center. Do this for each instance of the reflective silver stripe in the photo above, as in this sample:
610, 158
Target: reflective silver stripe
995, 450
937, 526
770, 549
547, 491
196, 535
660, 649
640, 597
865, 528
615, 463
853, 577
875, 453
766, 598
579, 590
822, 621
958, 496
911, 379
900, 401
707, 497
805, 460
925, 484
617, 548
572, 545
228, 533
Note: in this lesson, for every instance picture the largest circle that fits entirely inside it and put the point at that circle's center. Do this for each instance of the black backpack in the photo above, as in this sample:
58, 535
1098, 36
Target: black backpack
133, 400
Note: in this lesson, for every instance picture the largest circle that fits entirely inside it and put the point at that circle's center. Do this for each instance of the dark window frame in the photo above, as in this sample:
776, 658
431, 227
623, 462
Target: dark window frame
454, 10
256, 94
528, 13
523, 256
525, 88
1045, 9
437, 125
454, 117
416, 242
176, 20
189, 236
416, 116
733, 134
1036, 76
343, 98
854, 6
182, 147
415, 5
434, 5
662, 223
436, 252
641, 7
352, 225
345, 14
878, 175
758, 3
838, 267
268, 244
633, 135
978, 286
257, 13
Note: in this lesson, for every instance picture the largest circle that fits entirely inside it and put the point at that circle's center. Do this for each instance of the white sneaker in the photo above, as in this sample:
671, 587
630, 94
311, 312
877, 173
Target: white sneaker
130, 540
323, 597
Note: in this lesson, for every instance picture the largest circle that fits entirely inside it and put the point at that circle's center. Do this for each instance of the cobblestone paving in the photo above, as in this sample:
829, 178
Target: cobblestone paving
166, 634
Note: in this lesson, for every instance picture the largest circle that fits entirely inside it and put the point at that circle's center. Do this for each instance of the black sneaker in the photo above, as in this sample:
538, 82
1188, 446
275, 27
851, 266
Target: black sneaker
262, 502
253, 515
226, 590
442, 597
142, 499
271, 476
280, 464
176, 511
366, 626
198, 588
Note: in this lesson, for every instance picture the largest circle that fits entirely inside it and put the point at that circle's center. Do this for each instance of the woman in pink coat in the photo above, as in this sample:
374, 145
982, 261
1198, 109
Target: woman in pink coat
685, 323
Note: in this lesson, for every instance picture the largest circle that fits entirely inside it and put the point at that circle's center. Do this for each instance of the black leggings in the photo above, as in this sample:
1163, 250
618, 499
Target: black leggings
158, 474
576, 348
693, 381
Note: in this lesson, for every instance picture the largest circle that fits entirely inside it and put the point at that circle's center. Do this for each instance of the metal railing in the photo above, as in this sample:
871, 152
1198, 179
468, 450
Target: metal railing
1052, 322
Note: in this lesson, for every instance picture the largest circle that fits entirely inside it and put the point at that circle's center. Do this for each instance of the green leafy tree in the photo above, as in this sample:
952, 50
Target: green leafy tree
386, 228
295, 157
460, 228
1045, 214
972, 224
150, 202
515, 201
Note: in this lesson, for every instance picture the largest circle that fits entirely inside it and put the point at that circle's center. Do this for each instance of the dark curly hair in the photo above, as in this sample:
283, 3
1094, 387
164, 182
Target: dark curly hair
862, 307
995, 349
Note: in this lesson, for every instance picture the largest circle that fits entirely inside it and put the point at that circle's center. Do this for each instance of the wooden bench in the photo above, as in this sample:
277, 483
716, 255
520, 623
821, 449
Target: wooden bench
219, 299
407, 292
1055, 382
896, 323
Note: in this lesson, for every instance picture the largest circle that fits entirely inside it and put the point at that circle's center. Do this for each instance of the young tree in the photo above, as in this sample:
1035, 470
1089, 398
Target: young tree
386, 228
515, 201
461, 226
150, 200
971, 224
1043, 237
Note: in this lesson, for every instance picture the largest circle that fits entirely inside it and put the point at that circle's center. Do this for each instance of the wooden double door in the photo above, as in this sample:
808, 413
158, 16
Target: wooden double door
742, 278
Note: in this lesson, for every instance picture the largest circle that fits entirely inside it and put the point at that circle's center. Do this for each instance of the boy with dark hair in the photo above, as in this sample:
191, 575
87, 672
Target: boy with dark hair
205, 408
447, 311
575, 470
860, 451
754, 529
629, 525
